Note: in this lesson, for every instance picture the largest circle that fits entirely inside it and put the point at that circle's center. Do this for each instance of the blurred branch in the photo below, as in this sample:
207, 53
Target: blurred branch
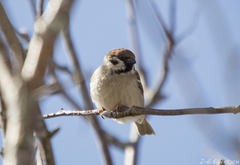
135, 42
155, 95
3, 118
123, 111
39, 7
44, 137
11, 39
80, 83
173, 16
131, 152
32, 4
192, 27
172, 42
23, 34
47, 27
19, 104
161, 21
113, 140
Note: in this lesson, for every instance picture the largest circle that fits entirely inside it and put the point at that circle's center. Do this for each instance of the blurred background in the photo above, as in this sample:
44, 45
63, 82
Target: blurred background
198, 41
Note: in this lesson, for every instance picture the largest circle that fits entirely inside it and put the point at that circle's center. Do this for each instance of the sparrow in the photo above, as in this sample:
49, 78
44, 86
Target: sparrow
116, 83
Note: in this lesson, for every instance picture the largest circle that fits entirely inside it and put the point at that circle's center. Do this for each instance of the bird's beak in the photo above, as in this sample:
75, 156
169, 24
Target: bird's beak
131, 61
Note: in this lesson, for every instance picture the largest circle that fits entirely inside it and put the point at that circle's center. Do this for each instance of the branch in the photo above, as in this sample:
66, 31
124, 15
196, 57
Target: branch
39, 8
156, 95
47, 28
18, 142
131, 152
72, 113
11, 38
80, 83
132, 25
134, 111
161, 21
172, 16
113, 140
191, 28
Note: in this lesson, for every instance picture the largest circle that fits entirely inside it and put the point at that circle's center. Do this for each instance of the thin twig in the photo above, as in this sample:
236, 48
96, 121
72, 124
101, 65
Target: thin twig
134, 111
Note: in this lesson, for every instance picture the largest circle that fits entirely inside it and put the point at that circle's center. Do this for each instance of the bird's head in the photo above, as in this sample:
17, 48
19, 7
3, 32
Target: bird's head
120, 61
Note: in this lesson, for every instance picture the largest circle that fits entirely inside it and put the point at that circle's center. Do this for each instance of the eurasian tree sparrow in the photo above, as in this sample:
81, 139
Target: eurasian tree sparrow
115, 83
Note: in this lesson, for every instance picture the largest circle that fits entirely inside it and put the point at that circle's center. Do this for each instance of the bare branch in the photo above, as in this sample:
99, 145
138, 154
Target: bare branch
33, 7
72, 113
161, 21
131, 151
47, 27
23, 34
134, 111
156, 95
79, 81
39, 7
44, 137
173, 16
11, 39
192, 27
20, 118
3, 113
113, 140
135, 42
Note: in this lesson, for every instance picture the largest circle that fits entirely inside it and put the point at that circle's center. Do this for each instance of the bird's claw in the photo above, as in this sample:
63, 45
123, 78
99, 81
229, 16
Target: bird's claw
101, 111
107, 114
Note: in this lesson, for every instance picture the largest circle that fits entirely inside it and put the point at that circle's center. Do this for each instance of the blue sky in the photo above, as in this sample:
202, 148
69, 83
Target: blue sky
204, 71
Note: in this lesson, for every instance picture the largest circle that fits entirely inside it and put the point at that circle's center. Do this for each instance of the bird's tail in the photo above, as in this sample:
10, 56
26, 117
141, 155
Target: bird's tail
144, 128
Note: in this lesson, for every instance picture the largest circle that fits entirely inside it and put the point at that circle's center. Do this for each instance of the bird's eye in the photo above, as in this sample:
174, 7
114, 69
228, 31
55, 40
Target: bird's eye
121, 57
114, 62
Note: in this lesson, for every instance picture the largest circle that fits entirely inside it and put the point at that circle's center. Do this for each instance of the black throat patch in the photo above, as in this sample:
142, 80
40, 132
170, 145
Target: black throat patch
127, 69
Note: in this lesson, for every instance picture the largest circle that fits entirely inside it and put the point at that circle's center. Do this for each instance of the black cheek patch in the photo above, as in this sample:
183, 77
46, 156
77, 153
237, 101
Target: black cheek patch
114, 62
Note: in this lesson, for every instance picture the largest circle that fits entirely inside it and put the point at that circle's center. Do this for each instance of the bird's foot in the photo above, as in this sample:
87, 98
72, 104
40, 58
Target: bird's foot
116, 108
101, 111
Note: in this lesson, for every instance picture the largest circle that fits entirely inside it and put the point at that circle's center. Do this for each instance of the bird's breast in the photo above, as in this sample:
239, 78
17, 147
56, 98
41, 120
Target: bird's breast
116, 89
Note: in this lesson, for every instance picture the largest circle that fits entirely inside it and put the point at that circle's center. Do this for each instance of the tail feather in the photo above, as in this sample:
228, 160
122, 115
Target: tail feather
144, 128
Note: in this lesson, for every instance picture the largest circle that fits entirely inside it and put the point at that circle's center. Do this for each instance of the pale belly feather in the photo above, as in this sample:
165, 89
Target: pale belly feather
117, 90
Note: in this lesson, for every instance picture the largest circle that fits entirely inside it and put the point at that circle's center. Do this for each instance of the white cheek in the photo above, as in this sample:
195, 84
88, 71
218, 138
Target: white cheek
119, 66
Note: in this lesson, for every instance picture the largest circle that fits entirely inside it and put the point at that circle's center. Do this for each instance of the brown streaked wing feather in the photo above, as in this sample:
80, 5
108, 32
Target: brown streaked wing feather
139, 82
